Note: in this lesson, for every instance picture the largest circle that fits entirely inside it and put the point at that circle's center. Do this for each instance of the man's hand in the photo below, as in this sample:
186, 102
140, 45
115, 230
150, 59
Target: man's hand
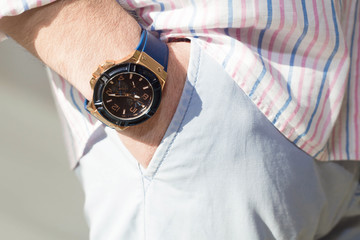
73, 37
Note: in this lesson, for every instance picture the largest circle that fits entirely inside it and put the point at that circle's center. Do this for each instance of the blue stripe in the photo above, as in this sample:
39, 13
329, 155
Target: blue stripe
292, 60
348, 85
77, 106
25, 5
260, 41
230, 13
230, 53
162, 8
191, 27
328, 63
321, 150
73, 99
230, 23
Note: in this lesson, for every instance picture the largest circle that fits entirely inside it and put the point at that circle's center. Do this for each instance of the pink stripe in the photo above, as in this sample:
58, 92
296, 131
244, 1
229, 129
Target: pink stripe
13, 10
330, 114
281, 56
238, 36
334, 109
271, 46
278, 94
240, 62
333, 143
303, 67
274, 36
203, 24
243, 13
287, 38
145, 13
178, 21
249, 42
356, 94
313, 78
169, 16
251, 30
340, 124
243, 20
249, 72
63, 85
142, 12
38, 3
129, 2
346, 29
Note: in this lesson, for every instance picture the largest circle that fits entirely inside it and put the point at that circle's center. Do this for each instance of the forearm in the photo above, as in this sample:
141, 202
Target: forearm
73, 37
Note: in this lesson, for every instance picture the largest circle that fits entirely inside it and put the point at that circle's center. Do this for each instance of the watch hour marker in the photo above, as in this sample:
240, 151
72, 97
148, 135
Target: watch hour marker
140, 79
145, 96
133, 109
133, 84
131, 75
111, 82
124, 111
115, 107
110, 100
146, 87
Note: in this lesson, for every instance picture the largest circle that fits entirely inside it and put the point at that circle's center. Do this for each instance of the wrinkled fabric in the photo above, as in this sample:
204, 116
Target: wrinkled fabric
217, 177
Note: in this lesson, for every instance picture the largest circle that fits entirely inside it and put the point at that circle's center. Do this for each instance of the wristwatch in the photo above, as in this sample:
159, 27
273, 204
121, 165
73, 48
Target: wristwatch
128, 92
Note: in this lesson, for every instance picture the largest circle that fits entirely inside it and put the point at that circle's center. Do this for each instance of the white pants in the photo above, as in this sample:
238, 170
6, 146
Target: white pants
222, 172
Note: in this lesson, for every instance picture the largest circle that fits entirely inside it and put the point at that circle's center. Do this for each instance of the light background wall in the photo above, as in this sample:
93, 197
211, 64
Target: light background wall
40, 197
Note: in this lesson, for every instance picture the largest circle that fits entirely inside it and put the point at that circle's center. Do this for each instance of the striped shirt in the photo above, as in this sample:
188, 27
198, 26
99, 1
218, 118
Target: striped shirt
297, 60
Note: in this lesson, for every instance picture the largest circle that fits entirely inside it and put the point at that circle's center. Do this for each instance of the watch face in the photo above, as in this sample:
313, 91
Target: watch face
127, 94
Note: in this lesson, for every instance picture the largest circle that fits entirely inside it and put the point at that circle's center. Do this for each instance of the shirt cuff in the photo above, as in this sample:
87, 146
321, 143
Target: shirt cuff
16, 7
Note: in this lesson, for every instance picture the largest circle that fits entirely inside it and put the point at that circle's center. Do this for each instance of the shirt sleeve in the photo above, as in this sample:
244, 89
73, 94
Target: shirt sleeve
16, 7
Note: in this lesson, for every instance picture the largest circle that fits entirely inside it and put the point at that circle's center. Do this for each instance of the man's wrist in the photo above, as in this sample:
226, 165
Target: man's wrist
142, 140
73, 37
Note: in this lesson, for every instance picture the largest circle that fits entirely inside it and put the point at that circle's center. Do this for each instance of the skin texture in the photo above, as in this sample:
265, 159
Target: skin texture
73, 37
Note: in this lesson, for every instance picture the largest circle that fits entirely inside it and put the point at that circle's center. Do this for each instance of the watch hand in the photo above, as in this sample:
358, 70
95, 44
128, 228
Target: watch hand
124, 95
119, 95
140, 103
114, 95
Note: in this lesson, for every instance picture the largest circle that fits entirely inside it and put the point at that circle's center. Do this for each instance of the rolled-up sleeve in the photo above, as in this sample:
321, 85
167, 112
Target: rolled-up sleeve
16, 7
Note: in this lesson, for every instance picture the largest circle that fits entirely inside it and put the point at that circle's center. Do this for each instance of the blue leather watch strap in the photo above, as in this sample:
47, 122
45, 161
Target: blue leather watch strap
154, 47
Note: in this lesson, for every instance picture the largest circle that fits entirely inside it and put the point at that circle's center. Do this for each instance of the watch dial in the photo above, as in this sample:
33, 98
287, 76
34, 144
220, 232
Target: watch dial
127, 95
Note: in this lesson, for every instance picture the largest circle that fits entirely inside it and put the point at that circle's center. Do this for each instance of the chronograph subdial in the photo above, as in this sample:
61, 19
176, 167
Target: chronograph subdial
127, 95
